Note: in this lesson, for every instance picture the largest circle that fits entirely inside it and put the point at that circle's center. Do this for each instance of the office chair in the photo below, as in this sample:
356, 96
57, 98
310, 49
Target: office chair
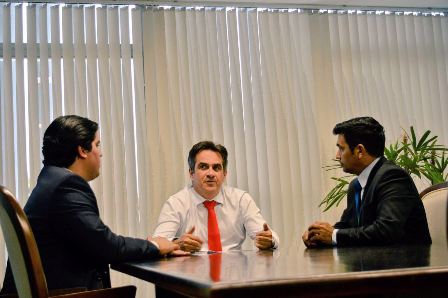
25, 260
435, 200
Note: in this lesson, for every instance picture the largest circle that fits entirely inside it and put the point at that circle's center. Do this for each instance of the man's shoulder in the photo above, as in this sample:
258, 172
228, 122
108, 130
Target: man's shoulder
182, 195
234, 193
388, 171
388, 166
55, 177
50, 182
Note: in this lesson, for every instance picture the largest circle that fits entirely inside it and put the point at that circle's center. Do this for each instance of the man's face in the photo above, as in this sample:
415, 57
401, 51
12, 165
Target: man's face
209, 173
93, 159
348, 159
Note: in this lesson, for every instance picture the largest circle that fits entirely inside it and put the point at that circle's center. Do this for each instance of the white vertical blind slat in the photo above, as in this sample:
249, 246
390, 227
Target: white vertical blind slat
250, 156
92, 86
270, 96
262, 196
149, 28
115, 103
107, 168
69, 91
174, 138
440, 38
21, 156
197, 112
9, 170
140, 132
79, 51
128, 121
34, 104
225, 83
184, 87
45, 115
213, 76
56, 63
236, 143
91, 53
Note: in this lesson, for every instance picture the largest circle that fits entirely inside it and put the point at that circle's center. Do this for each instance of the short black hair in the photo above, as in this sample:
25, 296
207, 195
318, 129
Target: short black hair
363, 130
206, 145
62, 138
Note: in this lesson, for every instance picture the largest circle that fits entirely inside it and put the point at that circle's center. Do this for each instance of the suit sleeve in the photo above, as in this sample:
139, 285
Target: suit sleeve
75, 218
395, 195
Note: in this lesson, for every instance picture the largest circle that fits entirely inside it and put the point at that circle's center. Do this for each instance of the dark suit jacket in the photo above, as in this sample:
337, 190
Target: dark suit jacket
391, 210
74, 244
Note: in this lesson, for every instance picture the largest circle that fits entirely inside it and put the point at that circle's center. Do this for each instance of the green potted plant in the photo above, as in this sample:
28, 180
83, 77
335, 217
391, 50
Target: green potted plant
421, 157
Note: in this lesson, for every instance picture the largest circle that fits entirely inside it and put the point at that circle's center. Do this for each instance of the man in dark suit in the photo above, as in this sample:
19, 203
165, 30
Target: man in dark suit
383, 205
75, 246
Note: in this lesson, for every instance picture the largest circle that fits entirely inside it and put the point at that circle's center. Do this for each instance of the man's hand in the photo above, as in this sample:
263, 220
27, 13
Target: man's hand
306, 239
167, 247
319, 233
263, 239
189, 242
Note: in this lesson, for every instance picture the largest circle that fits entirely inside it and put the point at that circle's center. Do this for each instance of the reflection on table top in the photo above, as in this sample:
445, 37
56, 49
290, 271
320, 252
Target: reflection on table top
203, 274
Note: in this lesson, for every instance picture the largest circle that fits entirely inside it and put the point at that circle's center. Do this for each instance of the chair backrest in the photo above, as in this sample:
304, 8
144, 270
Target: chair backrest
23, 254
435, 200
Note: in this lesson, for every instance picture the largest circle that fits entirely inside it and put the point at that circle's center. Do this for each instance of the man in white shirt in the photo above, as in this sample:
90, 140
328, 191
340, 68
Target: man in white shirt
383, 205
186, 220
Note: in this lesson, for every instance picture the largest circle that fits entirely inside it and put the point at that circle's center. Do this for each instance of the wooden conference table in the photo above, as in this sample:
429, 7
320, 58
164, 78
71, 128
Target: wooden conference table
397, 271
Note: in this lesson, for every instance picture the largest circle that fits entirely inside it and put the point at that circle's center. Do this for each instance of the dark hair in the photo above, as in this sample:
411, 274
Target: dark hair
62, 138
363, 130
206, 145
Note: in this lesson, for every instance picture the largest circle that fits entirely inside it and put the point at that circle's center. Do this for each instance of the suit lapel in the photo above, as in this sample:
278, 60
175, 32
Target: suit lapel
365, 198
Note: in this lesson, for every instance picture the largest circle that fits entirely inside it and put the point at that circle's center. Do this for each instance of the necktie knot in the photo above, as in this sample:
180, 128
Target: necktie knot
210, 204
357, 185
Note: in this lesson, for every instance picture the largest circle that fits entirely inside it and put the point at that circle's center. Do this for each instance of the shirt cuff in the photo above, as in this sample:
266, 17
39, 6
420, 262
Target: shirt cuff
274, 244
333, 237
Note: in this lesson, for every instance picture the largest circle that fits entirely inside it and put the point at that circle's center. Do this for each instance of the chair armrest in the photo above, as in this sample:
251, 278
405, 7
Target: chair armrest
57, 292
118, 292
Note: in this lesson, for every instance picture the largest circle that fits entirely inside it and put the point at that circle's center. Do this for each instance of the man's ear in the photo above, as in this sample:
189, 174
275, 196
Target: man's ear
361, 151
82, 153
191, 172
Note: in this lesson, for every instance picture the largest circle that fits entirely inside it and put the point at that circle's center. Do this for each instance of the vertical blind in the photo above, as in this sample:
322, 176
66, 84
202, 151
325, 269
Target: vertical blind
269, 84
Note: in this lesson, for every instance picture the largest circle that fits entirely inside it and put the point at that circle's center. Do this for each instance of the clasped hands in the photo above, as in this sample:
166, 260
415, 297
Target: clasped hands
191, 243
318, 234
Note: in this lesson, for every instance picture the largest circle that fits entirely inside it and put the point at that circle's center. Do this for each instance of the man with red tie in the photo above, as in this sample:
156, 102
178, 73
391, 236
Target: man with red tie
207, 216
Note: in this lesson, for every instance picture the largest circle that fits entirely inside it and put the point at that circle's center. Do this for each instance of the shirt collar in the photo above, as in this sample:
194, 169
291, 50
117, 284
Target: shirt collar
198, 199
364, 176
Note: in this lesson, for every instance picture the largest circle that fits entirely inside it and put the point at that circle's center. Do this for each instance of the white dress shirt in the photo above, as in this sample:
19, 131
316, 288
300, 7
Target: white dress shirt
236, 211
362, 179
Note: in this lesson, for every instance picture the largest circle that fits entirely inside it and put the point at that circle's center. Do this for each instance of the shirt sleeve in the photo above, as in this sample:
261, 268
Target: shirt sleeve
170, 219
253, 220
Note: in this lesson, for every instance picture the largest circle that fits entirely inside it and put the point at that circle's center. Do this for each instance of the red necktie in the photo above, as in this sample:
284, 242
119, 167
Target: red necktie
215, 266
214, 239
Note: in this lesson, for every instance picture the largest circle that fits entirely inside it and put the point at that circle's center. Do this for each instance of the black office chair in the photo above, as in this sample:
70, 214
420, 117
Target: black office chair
25, 260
